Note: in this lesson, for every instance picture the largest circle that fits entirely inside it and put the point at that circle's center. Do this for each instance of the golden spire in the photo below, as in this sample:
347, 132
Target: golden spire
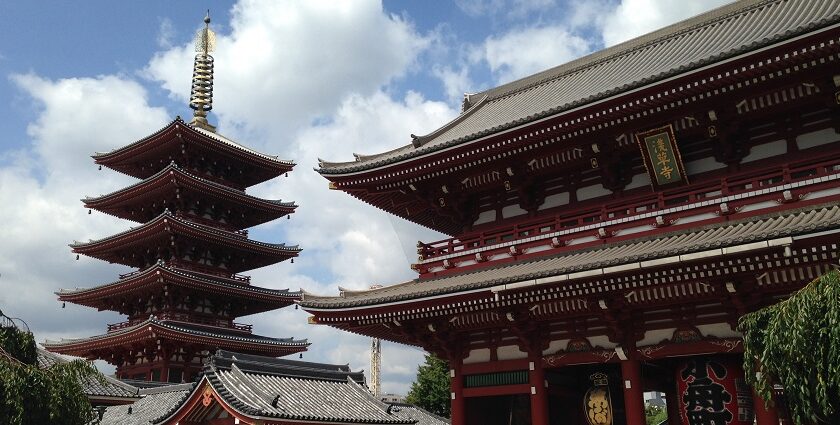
201, 95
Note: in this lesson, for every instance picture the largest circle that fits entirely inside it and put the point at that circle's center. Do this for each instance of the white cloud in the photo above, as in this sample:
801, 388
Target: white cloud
522, 52
287, 63
166, 33
632, 18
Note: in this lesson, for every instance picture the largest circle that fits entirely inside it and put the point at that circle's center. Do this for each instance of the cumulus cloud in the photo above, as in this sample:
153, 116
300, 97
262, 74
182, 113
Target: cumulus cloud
522, 52
632, 18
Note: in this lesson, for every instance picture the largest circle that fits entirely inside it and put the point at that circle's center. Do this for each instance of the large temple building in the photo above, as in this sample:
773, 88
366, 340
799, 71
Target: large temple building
611, 219
189, 248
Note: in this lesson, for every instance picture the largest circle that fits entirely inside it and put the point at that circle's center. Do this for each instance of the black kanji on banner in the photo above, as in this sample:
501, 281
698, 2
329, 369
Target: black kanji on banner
705, 399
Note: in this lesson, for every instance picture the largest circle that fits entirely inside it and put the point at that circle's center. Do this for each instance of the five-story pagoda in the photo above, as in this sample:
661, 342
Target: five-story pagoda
189, 249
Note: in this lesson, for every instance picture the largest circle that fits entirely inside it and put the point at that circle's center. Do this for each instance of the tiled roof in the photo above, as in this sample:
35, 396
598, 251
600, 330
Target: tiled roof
423, 417
221, 334
263, 387
93, 387
148, 408
776, 225
691, 44
212, 281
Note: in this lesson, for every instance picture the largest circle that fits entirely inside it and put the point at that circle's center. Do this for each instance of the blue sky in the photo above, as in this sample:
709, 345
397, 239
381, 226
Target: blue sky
300, 79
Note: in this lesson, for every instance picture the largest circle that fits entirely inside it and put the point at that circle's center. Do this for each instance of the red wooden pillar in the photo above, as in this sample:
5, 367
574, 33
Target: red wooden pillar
672, 405
634, 403
539, 393
763, 415
458, 405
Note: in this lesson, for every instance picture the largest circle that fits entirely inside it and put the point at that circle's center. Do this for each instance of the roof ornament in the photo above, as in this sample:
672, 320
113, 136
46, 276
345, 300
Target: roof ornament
201, 95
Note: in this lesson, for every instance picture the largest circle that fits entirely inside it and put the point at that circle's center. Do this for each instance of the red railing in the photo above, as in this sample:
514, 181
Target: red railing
706, 190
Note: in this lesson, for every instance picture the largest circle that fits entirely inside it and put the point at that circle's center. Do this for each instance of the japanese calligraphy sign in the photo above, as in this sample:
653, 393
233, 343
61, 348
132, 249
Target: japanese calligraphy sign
596, 403
712, 391
662, 157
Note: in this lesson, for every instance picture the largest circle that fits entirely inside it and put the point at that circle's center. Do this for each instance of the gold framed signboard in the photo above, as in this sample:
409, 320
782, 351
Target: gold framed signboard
662, 157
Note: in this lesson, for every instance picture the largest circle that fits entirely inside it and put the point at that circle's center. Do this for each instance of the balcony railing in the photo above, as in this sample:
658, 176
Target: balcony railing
633, 206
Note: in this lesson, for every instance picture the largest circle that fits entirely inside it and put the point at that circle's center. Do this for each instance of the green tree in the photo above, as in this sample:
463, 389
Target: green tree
430, 390
32, 395
655, 415
796, 343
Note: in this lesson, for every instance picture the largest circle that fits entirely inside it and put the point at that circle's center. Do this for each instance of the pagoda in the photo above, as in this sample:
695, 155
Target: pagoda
190, 247
611, 219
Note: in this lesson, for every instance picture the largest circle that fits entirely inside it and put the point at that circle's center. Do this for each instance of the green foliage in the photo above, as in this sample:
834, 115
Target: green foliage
431, 389
796, 343
31, 395
655, 415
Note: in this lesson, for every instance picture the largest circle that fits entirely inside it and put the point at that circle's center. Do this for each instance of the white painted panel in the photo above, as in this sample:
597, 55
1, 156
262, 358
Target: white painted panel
555, 346
512, 211
481, 355
697, 217
766, 150
720, 330
703, 165
555, 200
594, 191
817, 138
759, 205
602, 341
485, 217
639, 180
636, 229
656, 336
510, 352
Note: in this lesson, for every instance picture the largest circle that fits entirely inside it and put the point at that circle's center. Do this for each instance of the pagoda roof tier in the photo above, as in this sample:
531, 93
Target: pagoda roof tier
245, 298
768, 231
171, 183
129, 247
717, 36
178, 139
154, 330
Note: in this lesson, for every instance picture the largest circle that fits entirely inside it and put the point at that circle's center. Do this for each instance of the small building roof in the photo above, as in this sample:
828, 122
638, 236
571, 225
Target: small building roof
149, 407
108, 392
705, 39
680, 242
410, 411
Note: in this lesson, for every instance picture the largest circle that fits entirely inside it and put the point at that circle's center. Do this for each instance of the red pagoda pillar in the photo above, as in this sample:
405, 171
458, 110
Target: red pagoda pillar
634, 404
764, 415
539, 394
458, 405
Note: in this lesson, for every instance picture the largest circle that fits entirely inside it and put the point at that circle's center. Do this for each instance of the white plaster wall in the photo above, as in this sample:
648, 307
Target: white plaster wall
555, 346
703, 165
696, 217
481, 355
639, 180
656, 336
602, 341
485, 217
766, 150
510, 352
555, 200
594, 191
817, 138
512, 211
720, 330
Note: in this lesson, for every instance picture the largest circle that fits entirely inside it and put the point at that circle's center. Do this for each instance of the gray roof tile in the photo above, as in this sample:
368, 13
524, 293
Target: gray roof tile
707, 38
148, 408
776, 225
93, 387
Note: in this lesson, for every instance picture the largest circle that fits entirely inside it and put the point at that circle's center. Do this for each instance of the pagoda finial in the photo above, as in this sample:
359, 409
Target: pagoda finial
201, 95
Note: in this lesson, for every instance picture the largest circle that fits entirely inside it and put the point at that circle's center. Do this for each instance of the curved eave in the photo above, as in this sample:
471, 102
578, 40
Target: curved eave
154, 329
174, 177
167, 223
260, 299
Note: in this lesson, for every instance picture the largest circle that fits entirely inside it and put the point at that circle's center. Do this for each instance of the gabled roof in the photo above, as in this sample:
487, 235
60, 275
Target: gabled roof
698, 239
410, 411
705, 39
148, 408
179, 331
173, 176
111, 389
274, 389
161, 274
